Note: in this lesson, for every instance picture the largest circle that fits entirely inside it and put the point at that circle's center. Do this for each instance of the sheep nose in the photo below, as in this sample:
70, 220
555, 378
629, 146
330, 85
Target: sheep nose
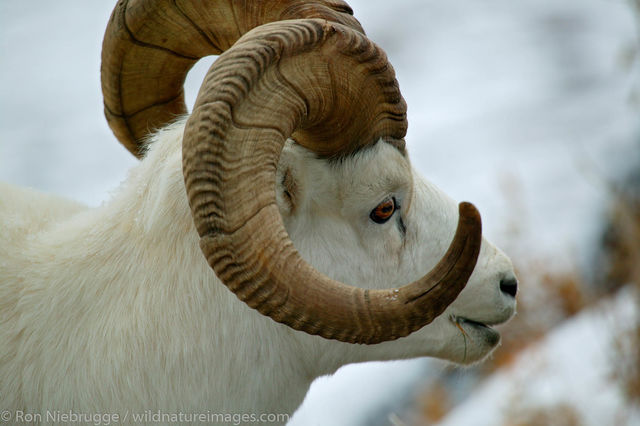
509, 286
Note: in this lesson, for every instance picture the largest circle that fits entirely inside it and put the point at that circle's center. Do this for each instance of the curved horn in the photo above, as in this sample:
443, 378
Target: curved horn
335, 92
150, 45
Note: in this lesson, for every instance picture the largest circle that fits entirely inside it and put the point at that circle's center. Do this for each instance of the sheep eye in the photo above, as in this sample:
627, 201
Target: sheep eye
384, 210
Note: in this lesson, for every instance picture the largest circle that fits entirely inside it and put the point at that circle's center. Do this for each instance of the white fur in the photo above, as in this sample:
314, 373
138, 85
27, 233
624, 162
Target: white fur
115, 308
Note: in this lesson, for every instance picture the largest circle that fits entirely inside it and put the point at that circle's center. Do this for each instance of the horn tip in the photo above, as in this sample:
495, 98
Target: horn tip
467, 209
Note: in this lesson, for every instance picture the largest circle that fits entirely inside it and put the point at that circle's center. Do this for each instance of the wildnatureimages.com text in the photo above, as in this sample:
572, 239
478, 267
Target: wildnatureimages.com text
145, 417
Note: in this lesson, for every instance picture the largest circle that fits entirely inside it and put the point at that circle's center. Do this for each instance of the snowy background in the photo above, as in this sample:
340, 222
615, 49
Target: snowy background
530, 109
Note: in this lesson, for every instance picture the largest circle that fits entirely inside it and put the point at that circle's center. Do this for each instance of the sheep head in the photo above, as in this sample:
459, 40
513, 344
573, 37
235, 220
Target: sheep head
371, 220
321, 83
317, 81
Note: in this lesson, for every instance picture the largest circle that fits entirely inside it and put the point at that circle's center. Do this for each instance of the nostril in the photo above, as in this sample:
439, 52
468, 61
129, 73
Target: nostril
509, 286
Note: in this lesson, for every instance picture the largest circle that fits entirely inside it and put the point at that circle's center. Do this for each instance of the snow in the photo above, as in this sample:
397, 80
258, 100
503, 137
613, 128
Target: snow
524, 108
573, 366
53, 135
350, 396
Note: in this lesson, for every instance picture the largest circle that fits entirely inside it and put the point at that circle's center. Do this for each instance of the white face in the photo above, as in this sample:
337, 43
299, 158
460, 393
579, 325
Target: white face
327, 210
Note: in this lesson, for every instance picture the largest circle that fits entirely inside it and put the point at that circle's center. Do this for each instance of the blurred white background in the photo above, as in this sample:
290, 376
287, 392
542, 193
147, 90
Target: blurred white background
529, 109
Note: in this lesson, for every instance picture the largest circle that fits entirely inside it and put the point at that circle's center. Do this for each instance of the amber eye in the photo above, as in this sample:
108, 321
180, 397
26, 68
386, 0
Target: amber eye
384, 210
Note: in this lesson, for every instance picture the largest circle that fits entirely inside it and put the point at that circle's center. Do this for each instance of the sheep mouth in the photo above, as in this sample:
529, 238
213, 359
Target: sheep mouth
486, 331
470, 322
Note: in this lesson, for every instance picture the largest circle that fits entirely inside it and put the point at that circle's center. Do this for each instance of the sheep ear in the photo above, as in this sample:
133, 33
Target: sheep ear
288, 186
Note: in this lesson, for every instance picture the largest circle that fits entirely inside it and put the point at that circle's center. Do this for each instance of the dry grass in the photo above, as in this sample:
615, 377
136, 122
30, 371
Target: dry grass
435, 403
557, 415
622, 244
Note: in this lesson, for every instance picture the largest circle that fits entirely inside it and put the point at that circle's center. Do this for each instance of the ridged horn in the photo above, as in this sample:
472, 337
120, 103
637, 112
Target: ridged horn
334, 91
150, 45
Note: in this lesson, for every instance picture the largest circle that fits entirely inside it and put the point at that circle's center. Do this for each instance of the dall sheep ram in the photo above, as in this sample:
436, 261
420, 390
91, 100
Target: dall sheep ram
116, 309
